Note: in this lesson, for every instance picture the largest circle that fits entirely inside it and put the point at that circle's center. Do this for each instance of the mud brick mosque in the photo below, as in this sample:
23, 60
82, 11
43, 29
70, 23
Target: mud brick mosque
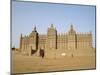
56, 45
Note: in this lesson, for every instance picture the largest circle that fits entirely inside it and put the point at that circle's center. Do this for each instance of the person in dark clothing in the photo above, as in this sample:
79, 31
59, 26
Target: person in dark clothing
42, 53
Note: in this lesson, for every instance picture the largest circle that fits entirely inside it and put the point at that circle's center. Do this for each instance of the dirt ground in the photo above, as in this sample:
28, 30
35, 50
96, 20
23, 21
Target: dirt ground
28, 64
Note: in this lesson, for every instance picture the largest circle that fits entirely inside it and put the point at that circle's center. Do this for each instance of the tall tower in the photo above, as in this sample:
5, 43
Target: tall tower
20, 42
52, 38
72, 38
90, 41
33, 41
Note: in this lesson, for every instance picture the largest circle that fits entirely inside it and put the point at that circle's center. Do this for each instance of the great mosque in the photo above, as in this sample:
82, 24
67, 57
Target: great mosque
56, 45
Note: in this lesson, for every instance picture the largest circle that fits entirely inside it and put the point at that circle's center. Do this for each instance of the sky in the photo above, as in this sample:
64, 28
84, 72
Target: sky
26, 15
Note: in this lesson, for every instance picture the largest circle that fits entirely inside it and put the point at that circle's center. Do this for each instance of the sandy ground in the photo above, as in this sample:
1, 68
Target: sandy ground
27, 64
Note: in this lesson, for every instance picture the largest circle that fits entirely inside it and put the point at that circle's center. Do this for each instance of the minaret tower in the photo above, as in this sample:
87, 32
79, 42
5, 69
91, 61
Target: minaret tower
34, 39
52, 38
20, 42
72, 38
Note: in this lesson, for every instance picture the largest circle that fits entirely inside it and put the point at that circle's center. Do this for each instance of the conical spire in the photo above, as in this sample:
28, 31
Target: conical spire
52, 26
21, 35
71, 28
34, 28
72, 31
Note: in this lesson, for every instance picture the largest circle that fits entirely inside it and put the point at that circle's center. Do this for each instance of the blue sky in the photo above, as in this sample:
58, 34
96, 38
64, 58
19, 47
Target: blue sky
25, 15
